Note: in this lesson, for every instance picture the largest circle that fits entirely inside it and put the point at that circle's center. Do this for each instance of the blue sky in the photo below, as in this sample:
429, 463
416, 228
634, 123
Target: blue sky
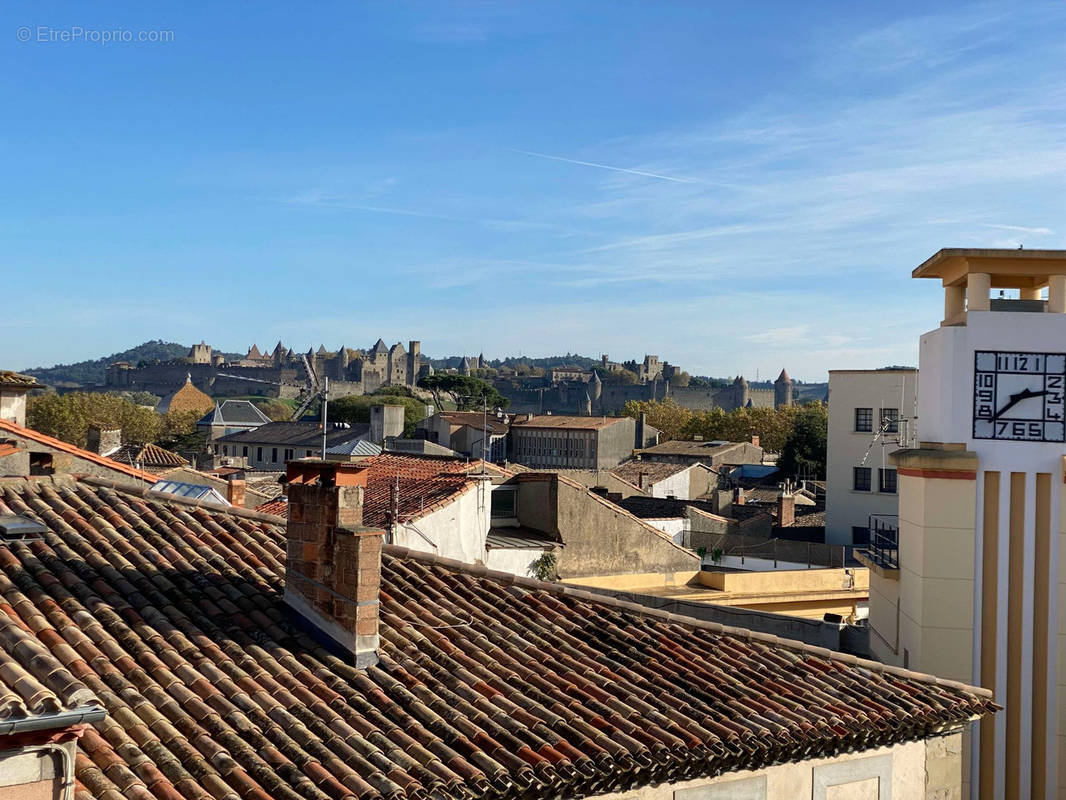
734, 187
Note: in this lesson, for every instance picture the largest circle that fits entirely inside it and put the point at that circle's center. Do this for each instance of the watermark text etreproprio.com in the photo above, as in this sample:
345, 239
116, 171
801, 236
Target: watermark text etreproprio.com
76, 34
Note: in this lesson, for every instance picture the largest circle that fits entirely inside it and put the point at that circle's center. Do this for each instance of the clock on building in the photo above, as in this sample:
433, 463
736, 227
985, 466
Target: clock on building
1019, 396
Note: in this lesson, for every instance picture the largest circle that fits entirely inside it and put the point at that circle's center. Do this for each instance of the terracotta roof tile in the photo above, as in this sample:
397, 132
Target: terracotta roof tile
151, 457
489, 685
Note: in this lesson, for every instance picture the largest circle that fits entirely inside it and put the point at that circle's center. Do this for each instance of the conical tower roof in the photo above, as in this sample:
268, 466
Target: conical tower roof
783, 377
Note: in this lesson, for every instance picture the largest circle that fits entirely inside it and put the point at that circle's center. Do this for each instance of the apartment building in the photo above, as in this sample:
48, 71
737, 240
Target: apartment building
553, 440
872, 413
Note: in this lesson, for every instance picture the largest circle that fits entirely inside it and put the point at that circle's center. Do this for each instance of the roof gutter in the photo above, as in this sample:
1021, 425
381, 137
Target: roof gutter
85, 715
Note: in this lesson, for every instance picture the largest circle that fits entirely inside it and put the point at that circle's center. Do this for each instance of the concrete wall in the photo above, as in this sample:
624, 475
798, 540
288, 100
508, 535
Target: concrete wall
599, 538
601, 477
929, 769
676, 485
874, 389
615, 443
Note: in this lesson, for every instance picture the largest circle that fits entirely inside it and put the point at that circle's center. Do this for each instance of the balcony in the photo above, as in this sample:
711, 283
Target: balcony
882, 553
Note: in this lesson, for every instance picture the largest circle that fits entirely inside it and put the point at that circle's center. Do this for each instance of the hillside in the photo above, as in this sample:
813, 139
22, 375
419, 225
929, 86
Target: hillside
92, 372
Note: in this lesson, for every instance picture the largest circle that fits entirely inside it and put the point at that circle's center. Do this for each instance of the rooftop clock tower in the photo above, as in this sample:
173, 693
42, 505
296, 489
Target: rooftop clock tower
974, 589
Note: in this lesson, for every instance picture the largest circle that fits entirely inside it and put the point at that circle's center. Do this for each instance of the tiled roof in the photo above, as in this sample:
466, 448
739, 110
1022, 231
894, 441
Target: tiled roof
88, 455
32, 681
476, 419
571, 423
16, 379
690, 448
653, 471
489, 685
279, 507
150, 457
235, 412
425, 484
298, 434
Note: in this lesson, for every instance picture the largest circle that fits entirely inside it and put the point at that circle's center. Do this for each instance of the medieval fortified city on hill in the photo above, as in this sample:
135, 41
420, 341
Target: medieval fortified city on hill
807, 541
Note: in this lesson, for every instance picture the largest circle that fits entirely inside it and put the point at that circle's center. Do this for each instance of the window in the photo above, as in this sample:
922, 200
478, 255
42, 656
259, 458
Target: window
862, 479
244, 451
288, 455
259, 454
307, 453
860, 535
864, 420
886, 481
890, 420
504, 502
274, 455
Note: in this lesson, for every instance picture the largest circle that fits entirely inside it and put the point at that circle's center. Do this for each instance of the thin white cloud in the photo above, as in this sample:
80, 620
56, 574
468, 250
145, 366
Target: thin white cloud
1021, 229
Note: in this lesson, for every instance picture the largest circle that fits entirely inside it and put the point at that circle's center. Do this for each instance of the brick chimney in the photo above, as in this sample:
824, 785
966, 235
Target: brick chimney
333, 563
235, 488
786, 508
755, 440
103, 440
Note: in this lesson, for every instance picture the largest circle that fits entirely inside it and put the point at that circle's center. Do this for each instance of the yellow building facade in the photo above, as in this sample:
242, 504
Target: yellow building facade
973, 589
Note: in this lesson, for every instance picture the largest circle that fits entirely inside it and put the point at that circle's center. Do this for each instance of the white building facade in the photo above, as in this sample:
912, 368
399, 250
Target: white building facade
872, 413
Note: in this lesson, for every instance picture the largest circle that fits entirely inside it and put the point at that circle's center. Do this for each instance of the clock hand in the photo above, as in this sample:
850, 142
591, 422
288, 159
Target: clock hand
1016, 398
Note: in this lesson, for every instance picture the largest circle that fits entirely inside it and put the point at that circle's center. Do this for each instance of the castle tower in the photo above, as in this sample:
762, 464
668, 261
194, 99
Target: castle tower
971, 588
741, 395
782, 390
414, 361
200, 353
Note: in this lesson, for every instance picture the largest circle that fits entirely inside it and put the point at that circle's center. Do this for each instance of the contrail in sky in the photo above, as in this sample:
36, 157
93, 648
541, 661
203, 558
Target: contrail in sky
605, 166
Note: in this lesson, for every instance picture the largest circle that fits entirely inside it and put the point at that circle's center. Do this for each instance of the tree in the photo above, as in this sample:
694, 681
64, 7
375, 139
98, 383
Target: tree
671, 420
616, 376
275, 409
178, 429
69, 416
804, 453
680, 379
356, 408
466, 392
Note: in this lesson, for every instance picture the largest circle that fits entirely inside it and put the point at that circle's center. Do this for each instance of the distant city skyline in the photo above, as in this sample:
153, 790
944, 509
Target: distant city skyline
732, 188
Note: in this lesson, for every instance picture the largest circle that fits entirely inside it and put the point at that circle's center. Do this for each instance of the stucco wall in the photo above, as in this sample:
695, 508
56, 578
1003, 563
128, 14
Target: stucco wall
924, 770
516, 560
13, 407
32, 773
457, 530
599, 537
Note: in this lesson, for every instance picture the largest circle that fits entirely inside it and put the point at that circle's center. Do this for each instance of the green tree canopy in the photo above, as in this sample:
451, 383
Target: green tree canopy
465, 391
69, 416
356, 408
804, 453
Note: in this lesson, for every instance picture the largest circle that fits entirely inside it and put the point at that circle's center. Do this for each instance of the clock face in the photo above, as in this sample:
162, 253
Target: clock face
1019, 396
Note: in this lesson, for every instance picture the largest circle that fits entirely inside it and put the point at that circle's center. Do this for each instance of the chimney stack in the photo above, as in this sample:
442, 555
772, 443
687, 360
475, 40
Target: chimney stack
786, 508
333, 563
235, 487
103, 440
755, 440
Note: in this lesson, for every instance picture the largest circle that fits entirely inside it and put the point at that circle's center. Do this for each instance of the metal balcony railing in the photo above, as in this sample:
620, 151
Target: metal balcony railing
883, 548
